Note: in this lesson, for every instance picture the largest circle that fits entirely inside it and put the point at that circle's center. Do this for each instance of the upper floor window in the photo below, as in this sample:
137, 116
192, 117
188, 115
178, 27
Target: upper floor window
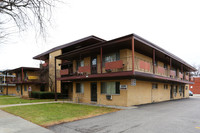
79, 63
165, 65
111, 57
156, 63
110, 88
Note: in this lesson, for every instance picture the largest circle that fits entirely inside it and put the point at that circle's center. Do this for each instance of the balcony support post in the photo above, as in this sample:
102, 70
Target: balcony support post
55, 82
101, 59
182, 68
22, 75
6, 82
154, 54
133, 49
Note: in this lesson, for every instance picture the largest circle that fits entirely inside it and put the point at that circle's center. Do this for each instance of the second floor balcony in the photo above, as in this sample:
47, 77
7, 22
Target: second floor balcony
121, 59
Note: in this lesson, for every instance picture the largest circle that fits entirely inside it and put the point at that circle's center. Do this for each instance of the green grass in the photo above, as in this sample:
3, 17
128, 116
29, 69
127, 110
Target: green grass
4, 100
54, 113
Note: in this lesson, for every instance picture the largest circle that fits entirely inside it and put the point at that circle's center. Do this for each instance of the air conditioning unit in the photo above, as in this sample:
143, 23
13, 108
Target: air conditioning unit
109, 97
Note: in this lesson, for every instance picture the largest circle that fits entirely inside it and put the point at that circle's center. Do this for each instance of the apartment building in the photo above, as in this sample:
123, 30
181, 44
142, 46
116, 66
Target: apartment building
124, 71
26, 79
4, 85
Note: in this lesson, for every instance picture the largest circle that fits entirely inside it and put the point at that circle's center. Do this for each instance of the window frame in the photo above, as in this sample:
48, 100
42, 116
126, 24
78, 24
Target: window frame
105, 84
117, 57
154, 86
81, 89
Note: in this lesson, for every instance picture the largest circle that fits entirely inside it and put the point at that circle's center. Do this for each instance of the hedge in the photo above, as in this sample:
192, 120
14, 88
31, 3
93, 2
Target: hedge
44, 95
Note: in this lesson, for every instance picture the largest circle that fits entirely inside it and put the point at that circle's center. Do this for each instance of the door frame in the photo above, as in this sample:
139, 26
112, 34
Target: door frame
91, 90
171, 91
93, 57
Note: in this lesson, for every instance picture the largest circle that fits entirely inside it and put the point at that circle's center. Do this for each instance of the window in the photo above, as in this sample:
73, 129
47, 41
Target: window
79, 88
165, 65
18, 88
79, 63
165, 86
110, 88
175, 89
25, 75
180, 88
111, 57
186, 87
94, 62
155, 63
25, 88
154, 86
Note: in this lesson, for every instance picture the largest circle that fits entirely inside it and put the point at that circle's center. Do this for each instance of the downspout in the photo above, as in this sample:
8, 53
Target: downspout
55, 82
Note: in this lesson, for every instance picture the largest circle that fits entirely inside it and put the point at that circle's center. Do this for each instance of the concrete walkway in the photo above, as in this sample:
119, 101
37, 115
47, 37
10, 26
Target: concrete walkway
14, 124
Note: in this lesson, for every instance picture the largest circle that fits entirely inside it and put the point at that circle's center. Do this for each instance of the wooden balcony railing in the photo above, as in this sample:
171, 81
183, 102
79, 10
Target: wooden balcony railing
161, 71
186, 77
180, 75
172, 73
143, 65
84, 69
64, 72
114, 65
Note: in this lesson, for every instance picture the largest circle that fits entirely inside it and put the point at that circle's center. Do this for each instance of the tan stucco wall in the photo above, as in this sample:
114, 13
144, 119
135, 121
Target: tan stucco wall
52, 68
142, 93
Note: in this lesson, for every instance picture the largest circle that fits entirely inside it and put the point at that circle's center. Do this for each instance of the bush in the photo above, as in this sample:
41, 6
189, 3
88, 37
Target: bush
44, 95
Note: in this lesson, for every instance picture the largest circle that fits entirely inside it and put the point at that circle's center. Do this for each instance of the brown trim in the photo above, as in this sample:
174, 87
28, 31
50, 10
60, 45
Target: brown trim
22, 77
126, 74
113, 74
133, 51
170, 64
154, 56
67, 45
101, 60
55, 82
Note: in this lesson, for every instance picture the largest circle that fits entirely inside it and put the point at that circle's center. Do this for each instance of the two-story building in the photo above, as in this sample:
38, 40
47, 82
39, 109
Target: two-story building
26, 79
124, 71
4, 84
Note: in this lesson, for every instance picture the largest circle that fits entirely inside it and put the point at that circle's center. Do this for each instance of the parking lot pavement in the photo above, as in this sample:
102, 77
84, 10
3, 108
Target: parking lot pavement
14, 124
179, 116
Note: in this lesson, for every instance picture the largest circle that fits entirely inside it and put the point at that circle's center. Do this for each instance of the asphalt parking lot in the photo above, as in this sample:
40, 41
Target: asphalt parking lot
179, 116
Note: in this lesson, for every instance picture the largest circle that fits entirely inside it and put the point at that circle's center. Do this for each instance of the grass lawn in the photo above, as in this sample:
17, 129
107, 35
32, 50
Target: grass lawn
5, 100
55, 113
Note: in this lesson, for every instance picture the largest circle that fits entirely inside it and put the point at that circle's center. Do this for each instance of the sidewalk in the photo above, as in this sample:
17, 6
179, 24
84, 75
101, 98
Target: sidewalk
14, 124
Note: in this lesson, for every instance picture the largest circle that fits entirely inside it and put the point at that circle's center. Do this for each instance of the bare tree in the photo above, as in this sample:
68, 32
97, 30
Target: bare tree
196, 73
25, 13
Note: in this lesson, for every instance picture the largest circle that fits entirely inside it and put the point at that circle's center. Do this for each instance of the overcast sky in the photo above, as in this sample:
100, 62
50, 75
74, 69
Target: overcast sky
173, 25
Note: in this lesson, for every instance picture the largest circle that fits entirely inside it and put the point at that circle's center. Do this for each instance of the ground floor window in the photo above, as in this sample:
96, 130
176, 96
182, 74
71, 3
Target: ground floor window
165, 86
110, 88
79, 88
18, 88
154, 86
25, 88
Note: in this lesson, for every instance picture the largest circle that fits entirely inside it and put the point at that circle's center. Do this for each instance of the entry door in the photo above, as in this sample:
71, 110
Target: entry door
171, 91
183, 90
21, 90
94, 91
94, 65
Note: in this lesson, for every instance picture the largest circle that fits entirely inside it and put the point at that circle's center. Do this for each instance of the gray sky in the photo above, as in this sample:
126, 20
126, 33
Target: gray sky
171, 24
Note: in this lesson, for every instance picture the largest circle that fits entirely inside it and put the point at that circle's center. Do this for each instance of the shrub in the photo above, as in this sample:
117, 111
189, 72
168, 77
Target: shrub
44, 95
